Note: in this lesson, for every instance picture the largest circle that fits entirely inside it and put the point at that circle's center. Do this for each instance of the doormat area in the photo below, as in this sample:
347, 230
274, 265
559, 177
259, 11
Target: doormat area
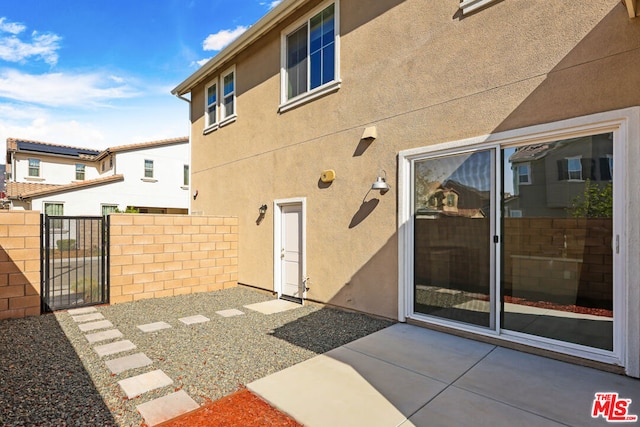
241, 408
273, 306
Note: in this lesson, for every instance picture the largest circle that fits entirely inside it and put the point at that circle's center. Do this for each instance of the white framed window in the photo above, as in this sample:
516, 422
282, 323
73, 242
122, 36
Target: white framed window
220, 101
310, 60
148, 168
228, 101
185, 176
524, 174
211, 105
34, 167
574, 168
80, 172
109, 209
55, 209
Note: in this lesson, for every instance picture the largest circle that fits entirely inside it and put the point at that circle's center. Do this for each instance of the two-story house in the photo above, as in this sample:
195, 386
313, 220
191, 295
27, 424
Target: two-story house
367, 148
151, 177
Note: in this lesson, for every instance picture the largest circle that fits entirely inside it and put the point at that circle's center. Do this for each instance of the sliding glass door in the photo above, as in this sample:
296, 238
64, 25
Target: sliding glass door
453, 219
557, 228
548, 261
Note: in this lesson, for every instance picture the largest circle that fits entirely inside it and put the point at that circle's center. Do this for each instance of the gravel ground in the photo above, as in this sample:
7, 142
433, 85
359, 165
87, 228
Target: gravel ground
51, 376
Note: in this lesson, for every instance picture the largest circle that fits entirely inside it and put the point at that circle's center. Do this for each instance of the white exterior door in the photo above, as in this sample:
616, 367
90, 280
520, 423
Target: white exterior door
291, 251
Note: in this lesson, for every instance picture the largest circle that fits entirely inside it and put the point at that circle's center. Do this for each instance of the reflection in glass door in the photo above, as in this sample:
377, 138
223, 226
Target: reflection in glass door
557, 227
452, 237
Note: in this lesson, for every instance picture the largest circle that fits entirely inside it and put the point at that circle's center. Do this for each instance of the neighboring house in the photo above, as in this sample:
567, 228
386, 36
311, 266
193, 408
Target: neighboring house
152, 177
319, 100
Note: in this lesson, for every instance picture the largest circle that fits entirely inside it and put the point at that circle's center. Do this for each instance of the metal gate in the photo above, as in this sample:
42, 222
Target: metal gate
74, 261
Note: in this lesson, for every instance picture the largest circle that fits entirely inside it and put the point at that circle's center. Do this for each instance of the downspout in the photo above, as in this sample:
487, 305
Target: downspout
188, 101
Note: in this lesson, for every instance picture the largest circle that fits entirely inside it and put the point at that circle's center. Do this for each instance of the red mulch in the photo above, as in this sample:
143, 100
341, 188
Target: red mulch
241, 408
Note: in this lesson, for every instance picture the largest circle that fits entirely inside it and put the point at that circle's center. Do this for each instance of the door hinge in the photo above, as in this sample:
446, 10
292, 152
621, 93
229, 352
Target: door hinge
496, 239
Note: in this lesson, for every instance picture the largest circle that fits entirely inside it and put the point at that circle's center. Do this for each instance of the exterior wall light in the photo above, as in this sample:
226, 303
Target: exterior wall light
381, 182
262, 209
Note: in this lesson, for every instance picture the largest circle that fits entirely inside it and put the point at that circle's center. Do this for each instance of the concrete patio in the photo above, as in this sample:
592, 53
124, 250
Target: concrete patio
409, 376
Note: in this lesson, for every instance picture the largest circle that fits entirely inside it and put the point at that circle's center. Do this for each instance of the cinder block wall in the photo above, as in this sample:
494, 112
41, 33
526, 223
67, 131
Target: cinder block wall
19, 264
154, 256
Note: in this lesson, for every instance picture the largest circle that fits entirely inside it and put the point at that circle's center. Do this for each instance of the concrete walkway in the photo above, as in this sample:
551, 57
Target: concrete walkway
410, 376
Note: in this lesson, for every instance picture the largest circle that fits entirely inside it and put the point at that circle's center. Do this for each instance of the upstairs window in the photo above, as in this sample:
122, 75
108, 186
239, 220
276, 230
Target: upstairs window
524, 173
220, 100
211, 110
229, 95
80, 172
185, 176
148, 168
34, 167
310, 57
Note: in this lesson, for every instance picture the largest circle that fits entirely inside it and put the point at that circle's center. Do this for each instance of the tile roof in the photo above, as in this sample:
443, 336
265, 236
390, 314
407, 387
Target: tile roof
25, 190
140, 145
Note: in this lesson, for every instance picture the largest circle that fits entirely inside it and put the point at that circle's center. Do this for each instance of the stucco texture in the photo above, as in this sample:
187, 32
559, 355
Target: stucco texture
422, 74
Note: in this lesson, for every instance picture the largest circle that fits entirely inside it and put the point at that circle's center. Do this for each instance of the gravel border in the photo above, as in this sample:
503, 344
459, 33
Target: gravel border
51, 376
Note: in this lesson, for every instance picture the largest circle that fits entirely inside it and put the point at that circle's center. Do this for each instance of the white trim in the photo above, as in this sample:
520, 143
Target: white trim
208, 124
277, 240
225, 119
469, 6
625, 125
309, 94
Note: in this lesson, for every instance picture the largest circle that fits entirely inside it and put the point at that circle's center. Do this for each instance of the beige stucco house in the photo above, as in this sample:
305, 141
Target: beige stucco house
294, 122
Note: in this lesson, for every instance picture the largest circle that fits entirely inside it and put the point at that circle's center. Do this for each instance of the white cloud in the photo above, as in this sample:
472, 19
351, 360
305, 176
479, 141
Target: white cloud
11, 27
271, 4
40, 46
222, 38
58, 89
200, 63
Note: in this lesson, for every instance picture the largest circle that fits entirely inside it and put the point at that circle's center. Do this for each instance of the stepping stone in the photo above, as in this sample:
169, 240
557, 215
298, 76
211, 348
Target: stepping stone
135, 386
125, 363
103, 336
114, 347
167, 407
273, 306
230, 313
87, 317
152, 327
198, 318
83, 310
101, 324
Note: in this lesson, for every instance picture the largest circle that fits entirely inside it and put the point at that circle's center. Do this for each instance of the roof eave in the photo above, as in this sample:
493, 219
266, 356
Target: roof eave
264, 25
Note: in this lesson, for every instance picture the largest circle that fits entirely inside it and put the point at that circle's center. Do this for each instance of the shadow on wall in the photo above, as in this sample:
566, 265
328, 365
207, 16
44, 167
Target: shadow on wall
599, 74
43, 381
18, 298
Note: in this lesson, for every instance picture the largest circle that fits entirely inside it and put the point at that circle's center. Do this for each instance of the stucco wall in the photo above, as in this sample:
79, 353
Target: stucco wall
422, 74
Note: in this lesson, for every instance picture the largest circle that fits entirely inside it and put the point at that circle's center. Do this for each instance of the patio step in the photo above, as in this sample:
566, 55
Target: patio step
125, 363
140, 384
114, 347
87, 317
103, 336
167, 407
191, 320
153, 327
92, 326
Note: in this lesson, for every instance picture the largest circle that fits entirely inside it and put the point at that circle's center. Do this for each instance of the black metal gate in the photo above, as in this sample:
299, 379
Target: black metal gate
74, 261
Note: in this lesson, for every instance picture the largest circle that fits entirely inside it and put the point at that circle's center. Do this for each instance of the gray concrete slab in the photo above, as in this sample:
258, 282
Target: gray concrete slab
409, 376
350, 388
92, 326
456, 407
87, 317
114, 347
103, 335
445, 358
132, 361
140, 384
153, 327
551, 388
192, 320
82, 310
167, 407
230, 312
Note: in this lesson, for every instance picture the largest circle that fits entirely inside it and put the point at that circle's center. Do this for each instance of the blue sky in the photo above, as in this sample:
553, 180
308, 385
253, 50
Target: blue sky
99, 73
